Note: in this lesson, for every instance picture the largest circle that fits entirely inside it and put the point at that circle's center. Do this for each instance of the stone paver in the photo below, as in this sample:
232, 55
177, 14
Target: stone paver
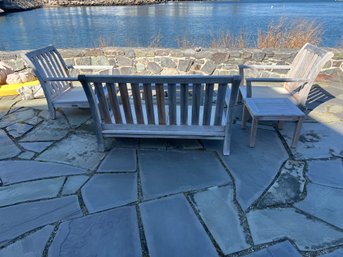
322, 202
33, 190
73, 184
214, 204
21, 218
184, 144
30, 246
288, 187
330, 111
252, 168
167, 172
76, 116
50, 130
36, 146
18, 129
17, 116
308, 234
105, 191
110, 233
79, 150
119, 160
11, 150
27, 155
284, 249
336, 253
19, 171
172, 229
326, 173
317, 140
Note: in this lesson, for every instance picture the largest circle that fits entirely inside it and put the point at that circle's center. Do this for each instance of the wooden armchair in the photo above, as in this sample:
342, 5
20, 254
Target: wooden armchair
49, 66
297, 84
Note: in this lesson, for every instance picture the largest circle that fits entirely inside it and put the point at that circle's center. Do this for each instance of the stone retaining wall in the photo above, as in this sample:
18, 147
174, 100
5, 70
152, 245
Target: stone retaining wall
180, 61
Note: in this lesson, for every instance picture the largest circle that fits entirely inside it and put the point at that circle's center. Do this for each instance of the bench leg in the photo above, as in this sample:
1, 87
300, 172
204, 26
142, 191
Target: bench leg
253, 132
280, 124
52, 112
297, 132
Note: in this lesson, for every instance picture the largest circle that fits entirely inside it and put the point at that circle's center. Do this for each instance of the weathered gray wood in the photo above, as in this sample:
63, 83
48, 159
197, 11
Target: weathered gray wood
149, 103
208, 104
230, 115
47, 63
137, 102
103, 107
174, 128
172, 103
160, 104
184, 103
124, 95
112, 95
218, 116
297, 132
273, 109
196, 103
301, 75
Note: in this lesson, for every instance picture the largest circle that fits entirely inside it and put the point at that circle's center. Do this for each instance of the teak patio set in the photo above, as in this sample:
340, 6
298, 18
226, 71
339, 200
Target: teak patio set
188, 106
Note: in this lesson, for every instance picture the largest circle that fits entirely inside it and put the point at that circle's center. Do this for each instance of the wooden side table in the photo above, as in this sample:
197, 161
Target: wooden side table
272, 109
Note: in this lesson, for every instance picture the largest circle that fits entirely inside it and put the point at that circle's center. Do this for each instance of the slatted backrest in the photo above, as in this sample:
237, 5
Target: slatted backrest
159, 100
306, 65
48, 63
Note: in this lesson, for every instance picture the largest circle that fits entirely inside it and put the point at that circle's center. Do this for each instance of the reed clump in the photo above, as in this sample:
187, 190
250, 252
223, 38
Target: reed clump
290, 34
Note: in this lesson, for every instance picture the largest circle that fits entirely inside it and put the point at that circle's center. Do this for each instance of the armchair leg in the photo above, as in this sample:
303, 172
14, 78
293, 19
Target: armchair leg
52, 113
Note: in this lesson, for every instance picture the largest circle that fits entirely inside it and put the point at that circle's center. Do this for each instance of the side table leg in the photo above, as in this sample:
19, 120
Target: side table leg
244, 116
253, 132
297, 132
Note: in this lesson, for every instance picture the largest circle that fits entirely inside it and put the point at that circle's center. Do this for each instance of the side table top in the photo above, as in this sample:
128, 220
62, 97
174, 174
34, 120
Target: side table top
272, 107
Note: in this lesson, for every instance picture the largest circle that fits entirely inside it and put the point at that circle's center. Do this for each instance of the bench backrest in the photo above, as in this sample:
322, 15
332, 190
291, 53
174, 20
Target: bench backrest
159, 100
47, 62
306, 65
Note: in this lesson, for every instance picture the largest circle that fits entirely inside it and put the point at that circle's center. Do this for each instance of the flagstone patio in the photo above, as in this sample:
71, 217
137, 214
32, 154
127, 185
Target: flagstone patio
59, 196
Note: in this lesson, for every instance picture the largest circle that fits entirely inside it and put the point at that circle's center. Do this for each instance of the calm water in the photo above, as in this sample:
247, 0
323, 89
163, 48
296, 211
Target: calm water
137, 25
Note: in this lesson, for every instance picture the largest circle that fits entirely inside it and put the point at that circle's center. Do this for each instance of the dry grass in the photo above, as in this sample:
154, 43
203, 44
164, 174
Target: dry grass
184, 42
225, 40
281, 34
286, 34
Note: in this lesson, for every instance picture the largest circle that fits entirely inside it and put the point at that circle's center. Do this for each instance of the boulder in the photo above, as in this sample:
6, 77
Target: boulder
26, 76
5, 70
13, 78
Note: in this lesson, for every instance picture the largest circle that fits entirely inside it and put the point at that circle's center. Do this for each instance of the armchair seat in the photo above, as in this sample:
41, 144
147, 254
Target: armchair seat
74, 95
270, 91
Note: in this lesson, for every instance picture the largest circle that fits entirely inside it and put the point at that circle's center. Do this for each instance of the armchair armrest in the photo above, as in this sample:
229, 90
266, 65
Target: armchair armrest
270, 80
261, 67
264, 67
70, 79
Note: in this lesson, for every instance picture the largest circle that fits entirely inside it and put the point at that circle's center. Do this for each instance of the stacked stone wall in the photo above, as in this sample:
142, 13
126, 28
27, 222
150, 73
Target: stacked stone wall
159, 61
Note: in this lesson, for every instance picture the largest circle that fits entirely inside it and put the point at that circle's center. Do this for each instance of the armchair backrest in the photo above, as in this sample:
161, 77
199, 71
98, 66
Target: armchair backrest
46, 63
306, 65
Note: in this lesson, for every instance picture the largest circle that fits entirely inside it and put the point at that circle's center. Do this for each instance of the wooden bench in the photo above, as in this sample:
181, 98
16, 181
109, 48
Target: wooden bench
199, 107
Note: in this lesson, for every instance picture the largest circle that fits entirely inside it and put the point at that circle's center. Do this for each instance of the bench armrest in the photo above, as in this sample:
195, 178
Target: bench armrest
270, 80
